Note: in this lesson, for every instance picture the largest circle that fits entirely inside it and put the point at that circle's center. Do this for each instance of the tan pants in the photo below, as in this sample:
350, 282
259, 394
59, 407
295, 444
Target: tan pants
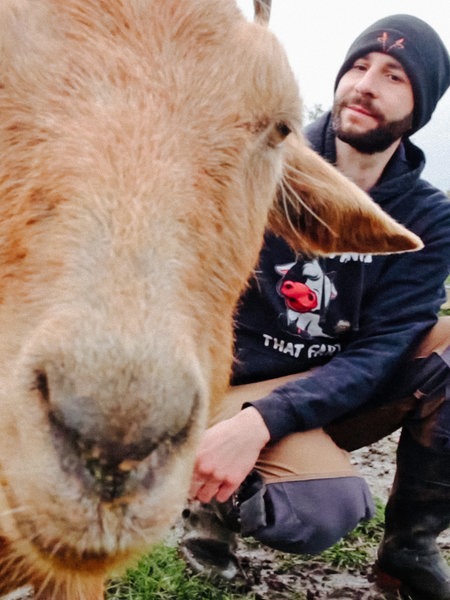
319, 454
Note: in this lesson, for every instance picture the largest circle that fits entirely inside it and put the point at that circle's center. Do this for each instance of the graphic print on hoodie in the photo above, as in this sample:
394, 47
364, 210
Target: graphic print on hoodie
298, 311
307, 291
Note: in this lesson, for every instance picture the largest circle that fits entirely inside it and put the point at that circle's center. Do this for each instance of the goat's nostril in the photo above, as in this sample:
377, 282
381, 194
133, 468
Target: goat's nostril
41, 385
128, 465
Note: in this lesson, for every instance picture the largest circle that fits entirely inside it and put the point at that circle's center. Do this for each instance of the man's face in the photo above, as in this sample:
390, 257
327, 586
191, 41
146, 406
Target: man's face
373, 103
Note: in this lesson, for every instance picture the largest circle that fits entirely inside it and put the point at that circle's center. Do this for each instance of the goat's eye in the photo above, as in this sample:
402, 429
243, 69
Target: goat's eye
283, 129
278, 134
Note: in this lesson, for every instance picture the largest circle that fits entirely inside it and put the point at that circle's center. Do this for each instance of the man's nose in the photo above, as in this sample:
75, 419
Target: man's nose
368, 83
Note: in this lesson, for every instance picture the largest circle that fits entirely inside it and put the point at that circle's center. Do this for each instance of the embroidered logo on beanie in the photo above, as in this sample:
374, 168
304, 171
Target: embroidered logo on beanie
386, 42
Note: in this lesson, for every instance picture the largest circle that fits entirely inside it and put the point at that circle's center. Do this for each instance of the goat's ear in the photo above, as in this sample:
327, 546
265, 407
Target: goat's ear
320, 211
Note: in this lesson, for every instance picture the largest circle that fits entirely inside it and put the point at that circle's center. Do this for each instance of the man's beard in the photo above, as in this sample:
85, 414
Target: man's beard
375, 140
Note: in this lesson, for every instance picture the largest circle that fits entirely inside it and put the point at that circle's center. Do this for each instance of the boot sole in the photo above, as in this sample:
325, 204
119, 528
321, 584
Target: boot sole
392, 585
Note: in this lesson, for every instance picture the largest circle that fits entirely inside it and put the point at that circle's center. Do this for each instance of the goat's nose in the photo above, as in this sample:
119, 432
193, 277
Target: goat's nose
116, 433
107, 462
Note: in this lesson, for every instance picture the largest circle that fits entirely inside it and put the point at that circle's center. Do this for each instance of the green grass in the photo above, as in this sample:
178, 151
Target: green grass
163, 576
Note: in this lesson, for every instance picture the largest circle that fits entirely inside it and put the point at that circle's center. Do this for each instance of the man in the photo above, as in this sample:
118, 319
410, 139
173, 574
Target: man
334, 353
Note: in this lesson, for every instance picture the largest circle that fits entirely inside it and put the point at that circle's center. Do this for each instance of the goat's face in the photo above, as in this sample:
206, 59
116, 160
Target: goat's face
142, 146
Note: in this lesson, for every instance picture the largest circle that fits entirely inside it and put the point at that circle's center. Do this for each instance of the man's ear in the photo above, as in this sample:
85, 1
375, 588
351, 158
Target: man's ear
320, 211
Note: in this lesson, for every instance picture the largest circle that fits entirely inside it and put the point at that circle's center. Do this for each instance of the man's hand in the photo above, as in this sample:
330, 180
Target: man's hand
227, 453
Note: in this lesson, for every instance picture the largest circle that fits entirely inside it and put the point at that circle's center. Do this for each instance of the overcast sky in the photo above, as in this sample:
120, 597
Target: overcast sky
316, 35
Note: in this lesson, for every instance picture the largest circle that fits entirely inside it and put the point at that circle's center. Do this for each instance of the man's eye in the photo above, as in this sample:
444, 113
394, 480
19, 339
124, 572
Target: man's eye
396, 78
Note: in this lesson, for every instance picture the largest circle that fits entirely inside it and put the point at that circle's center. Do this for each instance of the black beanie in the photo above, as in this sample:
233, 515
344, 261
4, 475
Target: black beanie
419, 50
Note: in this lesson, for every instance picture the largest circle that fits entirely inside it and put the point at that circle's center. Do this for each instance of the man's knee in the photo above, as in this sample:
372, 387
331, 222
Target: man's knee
305, 517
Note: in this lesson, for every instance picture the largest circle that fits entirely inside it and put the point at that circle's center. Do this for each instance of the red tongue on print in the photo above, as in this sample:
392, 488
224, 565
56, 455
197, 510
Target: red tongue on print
299, 297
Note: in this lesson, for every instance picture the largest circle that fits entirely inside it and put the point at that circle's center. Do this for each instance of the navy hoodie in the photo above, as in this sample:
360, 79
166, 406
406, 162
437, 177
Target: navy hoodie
355, 316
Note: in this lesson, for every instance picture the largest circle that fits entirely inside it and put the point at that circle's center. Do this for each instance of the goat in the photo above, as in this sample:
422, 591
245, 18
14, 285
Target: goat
146, 146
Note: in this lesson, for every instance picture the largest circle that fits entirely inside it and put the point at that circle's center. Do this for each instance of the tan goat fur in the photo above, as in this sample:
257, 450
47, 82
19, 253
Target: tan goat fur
142, 157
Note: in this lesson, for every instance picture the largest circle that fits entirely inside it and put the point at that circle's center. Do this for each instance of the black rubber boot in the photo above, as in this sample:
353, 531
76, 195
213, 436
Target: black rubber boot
417, 575
418, 510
